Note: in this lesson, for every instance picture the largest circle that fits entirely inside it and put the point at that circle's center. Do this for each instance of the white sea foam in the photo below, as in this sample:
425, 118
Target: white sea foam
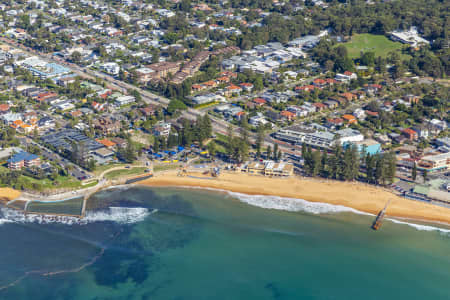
3, 221
122, 215
420, 227
293, 204
122, 187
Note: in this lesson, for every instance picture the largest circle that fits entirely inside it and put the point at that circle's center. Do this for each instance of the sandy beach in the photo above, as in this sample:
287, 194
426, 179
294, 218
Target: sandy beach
7, 194
359, 196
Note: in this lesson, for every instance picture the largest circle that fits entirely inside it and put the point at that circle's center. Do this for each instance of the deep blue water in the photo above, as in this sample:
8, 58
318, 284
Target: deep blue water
192, 244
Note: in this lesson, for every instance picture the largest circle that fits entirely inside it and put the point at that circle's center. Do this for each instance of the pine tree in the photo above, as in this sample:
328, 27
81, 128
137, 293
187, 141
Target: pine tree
347, 166
379, 169
390, 167
275, 151
230, 146
212, 148
324, 164
315, 163
414, 172
370, 168
259, 140
269, 152
425, 175
355, 157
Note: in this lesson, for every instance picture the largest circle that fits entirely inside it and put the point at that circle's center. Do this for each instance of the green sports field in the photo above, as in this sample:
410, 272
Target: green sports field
365, 42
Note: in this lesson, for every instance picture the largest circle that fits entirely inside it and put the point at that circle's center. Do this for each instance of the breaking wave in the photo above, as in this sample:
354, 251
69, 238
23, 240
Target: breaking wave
121, 215
421, 227
293, 204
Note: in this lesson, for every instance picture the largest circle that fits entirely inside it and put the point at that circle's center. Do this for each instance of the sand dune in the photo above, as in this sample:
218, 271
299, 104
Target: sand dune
359, 196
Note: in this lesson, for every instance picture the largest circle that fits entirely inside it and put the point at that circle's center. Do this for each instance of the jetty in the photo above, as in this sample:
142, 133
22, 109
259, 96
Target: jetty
379, 219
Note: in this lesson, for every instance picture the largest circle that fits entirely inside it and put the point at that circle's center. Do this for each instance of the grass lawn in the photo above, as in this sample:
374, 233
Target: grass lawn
165, 167
366, 42
100, 169
125, 172
47, 184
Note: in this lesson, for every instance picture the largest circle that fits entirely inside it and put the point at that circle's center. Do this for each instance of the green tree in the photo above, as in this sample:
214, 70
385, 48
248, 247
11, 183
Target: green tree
275, 151
259, 140
425, 175
212, 148
269, 152
414, 172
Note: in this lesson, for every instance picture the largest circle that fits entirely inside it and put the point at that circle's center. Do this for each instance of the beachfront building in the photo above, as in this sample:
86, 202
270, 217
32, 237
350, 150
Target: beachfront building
269, 168
23, 159
432, 163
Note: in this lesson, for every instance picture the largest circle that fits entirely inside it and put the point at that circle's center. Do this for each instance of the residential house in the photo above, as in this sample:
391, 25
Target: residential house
107, 125
349, 119
410, 134
288, 115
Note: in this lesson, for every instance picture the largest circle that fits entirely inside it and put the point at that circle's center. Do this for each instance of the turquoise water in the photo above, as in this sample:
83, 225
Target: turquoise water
193, 244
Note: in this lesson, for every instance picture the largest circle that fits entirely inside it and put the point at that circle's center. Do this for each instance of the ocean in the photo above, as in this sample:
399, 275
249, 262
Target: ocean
176, 243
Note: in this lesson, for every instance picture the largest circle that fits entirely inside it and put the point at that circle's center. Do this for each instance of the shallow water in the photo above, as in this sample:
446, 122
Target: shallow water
157, 243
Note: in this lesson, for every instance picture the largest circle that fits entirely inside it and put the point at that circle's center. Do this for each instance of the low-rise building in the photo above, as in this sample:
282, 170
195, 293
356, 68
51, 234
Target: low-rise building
270, 168
23, 159
438, 162
124, 100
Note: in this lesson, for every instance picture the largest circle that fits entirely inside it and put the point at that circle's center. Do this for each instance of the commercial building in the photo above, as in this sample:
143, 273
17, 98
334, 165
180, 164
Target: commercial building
269, 168
438, 162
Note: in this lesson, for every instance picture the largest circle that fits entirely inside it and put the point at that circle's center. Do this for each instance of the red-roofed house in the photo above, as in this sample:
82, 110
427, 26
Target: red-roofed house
4, 108
288, 115
372, 113
259, 101
240, 115
45, 96
76, 113
107, 143
232, 89
105, 94
349, 96
335, 121
410, 134
349, 119
98, 106
319, 106
319, 82
246, 86
331, 81
210, 84
198, 87
223, 79
305, 88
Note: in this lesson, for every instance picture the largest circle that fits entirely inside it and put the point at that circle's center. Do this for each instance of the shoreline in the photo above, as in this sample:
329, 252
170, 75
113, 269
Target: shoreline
361, 197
